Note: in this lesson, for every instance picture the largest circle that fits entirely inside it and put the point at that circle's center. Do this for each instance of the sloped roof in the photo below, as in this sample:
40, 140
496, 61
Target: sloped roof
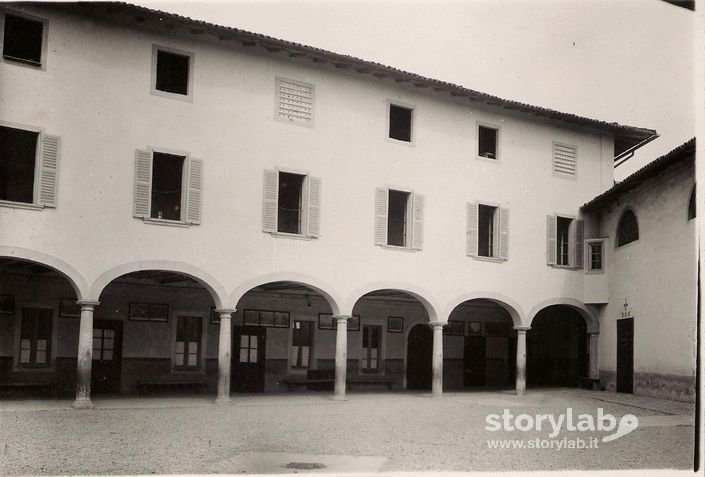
627, 138
652, 169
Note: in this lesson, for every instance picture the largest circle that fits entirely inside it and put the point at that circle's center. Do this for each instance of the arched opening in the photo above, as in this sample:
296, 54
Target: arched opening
419, 358
155, 331
628, 228
557, 347
39, 322
284, 337
378, 353
479, 346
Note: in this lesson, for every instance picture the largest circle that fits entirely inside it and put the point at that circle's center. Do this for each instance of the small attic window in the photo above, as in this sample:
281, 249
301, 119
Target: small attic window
22, 40
400, 122
487, 142
172, 72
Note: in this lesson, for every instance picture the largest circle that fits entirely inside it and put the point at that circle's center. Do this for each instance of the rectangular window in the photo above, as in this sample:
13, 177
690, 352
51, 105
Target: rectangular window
291, 187
564, 159
397, 222
167, 183
248, 349
18, 157
487, 142
187, 353
400, 121
371, 346
563, 240
487, 231
172, 72
595, 258
35, 337
294, 102
301, 344
103, 344
22, 40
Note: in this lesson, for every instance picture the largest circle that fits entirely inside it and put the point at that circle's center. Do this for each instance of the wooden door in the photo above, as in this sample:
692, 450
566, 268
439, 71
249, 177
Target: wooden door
474, 361
419, 358
625, 355
249, 351
107, 356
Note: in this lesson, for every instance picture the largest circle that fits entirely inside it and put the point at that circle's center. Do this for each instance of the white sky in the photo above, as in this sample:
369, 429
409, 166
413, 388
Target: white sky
629, 61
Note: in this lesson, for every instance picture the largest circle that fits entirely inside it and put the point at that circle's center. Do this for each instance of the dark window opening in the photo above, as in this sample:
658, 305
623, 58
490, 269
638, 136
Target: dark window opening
628, 229
595, 256
371, 348
18, 151
487, 142
188, 342
563, 239
691, 205
301, 344
22, 40
486, 245
397, 218
167, 183
35, 338
400, 123
290, 205
172, 72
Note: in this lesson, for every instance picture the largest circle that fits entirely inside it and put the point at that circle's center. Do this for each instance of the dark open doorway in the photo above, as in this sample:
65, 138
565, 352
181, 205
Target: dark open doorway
419, 358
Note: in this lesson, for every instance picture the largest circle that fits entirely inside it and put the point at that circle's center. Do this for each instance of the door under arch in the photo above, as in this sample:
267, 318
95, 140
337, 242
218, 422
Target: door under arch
419, 358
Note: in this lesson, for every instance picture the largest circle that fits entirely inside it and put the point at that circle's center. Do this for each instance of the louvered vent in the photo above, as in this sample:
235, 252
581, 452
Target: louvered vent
564, 159
295, 101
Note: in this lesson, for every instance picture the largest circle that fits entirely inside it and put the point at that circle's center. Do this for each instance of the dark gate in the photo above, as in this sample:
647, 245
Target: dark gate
625, 355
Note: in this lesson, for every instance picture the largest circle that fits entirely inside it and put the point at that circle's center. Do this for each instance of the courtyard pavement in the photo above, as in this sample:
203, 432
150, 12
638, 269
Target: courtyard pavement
311, 433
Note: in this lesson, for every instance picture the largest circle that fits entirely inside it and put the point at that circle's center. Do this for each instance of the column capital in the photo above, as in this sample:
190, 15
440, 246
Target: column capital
340, 318
222, 311
437, 324
591, 333
88, 303
522, 329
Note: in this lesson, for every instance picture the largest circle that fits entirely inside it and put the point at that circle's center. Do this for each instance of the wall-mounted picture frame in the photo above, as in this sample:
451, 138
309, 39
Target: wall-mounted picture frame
7, 304
454, 328
250, 318
266, 318
326, 321
281, 319
158, 312
475, 328
68, 308
395, 324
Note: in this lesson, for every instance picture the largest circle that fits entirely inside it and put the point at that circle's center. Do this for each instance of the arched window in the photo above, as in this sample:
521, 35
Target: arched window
691, 205
628, 229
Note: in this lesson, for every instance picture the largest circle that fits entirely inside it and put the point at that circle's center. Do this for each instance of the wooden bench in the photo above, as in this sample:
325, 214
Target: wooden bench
315, 379
172, 380
44, 385
370, 379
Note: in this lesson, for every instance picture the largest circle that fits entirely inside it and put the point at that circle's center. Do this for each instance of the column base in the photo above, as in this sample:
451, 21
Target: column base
223, 400
83, 403
338, 397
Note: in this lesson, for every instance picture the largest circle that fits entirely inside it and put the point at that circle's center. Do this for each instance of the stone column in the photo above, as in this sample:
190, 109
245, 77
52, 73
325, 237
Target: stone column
225, 343
594, 371
85, 355
521, 359
437, 383
341, 356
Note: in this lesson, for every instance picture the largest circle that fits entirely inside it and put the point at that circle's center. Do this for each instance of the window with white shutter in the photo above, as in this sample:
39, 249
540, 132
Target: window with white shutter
291, 204
564, 241
565, 160
399, 219
29, 165
294, 102
487, 231
168, 187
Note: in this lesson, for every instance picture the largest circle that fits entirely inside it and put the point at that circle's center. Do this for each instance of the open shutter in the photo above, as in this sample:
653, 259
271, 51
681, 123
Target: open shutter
551, 239
579, 243
504, 234
270, 201
195, 184
473, 214
381, 211
417, 231
48, 167
143, 183
313, 224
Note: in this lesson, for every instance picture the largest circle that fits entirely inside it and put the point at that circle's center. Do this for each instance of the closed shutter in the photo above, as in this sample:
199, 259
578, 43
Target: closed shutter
143, 183
417, 231
551, 239
270, 201
295, 101
473, 214
564, 159
381, 208
313, 223
48, 170
579, 243
194, 194
504, 234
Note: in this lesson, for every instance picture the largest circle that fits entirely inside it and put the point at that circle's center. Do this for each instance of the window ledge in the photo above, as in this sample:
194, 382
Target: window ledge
186, 98
392, 140
23, 62
20, 205
401, 249
169, 223
488, 159
285, 235
488, 259
595, 272
565, 267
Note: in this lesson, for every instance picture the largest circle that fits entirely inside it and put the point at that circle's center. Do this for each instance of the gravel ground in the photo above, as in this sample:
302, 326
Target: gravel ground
394, 432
